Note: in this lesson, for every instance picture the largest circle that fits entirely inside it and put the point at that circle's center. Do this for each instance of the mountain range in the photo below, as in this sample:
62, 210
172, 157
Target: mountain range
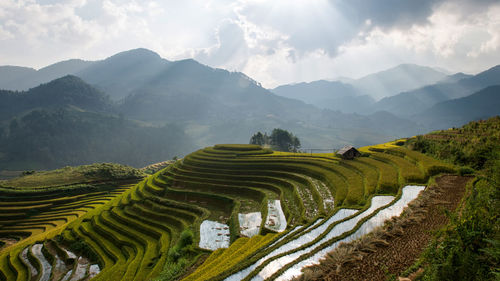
412, 103
341, 95
334, 95
398, 79
456, 112
137, 91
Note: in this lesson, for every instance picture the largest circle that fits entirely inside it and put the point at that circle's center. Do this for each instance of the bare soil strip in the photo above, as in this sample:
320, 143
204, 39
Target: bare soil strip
402, 251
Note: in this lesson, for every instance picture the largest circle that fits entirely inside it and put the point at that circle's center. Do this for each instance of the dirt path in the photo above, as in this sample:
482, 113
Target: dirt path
403, 250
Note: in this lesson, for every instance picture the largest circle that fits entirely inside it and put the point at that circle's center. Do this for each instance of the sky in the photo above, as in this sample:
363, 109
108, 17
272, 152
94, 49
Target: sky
274, 42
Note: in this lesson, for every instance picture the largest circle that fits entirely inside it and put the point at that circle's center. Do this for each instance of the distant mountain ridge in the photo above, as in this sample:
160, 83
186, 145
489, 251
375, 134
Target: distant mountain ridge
454, 113
410, 103
332, 95
359, 95
398, 79
17, 78
121, 74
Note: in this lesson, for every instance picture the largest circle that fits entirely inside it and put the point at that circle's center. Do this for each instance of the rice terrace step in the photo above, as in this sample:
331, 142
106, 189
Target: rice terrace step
228, 212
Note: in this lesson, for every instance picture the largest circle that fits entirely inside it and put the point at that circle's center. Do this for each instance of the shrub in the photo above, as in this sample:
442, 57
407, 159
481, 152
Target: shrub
84, 249
187, 238
465, 171
172, 269
469, 248
400, 143
183, 247
25, 173
111, 171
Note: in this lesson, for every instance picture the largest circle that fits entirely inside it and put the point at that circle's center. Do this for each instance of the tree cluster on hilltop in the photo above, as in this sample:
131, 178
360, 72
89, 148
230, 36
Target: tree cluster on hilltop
280, 140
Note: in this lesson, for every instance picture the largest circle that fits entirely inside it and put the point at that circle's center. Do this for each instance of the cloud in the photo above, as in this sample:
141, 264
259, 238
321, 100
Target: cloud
391, 13
230, 50
273, 42
305, 25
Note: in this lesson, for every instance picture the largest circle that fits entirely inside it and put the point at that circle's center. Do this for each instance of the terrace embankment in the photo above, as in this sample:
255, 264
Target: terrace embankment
402, 251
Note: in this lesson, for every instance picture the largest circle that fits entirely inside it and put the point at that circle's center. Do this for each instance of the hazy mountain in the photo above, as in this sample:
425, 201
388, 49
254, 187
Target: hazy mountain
413, 102
350, 104
455, 77
22, 78
213, 105
333, 95
398, 79
316, 91
68, 122
60, 93
394, 125
457, 112
121, 74
357, 95
117, 75
216, 105
10, 76
187, 90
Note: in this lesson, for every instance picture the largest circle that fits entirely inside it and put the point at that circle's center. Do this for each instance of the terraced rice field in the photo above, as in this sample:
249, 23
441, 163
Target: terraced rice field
274, 213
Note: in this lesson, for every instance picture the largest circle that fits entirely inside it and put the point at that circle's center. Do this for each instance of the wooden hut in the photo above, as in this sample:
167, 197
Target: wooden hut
348, 152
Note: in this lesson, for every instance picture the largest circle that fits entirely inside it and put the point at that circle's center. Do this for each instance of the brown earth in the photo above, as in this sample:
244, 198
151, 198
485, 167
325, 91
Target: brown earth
404, 250
8, 242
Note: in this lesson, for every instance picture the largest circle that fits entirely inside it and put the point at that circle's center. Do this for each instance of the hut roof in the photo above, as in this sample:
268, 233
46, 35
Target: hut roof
345, 149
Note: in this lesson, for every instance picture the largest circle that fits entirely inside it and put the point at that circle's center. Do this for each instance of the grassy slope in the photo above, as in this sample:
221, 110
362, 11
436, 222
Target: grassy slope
72, 175
469, 247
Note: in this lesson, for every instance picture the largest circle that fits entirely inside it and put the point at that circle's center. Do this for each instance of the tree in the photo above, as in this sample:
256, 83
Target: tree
280, 140
295, 143
258, 138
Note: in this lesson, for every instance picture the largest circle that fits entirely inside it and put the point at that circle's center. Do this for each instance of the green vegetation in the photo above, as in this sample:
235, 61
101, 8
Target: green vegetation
70, 176
152, 230
54, 138
469, 247
222, 260
280, 140
38, 206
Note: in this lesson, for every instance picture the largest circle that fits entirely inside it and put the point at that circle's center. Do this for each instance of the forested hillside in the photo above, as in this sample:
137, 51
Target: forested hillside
68, 122
46, 139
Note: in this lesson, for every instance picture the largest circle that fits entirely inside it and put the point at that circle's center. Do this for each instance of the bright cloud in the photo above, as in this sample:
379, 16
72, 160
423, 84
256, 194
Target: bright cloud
274, 42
